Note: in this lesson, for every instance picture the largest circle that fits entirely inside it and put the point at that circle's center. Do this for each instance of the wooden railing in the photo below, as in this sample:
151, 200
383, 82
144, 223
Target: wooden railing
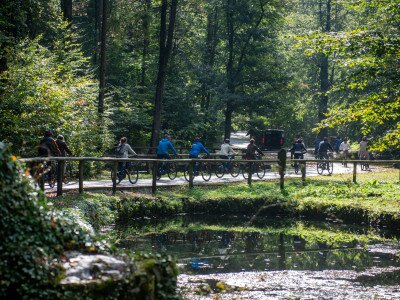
153, 163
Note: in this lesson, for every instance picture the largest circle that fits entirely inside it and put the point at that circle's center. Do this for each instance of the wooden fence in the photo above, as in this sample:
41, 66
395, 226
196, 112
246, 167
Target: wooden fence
153, 163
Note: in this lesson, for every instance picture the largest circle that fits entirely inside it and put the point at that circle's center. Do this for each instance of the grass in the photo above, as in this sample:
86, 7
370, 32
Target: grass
375, 199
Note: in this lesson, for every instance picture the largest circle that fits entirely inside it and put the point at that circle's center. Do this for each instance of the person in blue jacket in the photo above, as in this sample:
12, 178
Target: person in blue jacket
163, 146
197, 148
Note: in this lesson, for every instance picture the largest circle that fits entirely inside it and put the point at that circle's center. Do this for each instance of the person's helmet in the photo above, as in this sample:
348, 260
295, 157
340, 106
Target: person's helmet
252, 141
226, 141
299, 141
60, 137
48, 133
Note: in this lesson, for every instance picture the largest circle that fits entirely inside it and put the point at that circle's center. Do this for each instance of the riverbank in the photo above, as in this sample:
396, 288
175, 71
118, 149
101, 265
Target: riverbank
373, 202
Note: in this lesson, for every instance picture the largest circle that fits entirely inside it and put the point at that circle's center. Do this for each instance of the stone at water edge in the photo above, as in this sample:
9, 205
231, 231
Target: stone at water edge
86, 268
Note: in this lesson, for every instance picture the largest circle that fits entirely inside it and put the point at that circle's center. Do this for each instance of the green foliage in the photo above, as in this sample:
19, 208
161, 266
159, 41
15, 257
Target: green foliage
31, 235
369, 94
45, 89
97, 209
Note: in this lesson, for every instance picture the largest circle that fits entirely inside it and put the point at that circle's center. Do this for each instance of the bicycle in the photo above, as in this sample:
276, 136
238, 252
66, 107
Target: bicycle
130, 170
258, 167
230, 167
297, 165
46, 173
168, 168
364, 165
202, 168
325, 164
67, 172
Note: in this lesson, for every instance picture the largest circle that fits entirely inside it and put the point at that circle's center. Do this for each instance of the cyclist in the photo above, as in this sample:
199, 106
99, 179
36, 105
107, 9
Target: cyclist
197, 148
252, 149
163, 146
345, 148
226, 152
62, 146
123, 151
48, 146
363, 152
298, 150
323, 148
162, 152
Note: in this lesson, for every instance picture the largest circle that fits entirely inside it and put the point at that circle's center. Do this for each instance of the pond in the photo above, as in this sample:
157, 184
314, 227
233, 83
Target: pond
273, 260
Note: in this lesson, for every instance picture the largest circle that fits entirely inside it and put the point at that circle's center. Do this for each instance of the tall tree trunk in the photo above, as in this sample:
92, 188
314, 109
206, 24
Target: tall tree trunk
209, 56
97, 4
102, 75
166, 39
229, 69
146, 43
66, 8
324, 71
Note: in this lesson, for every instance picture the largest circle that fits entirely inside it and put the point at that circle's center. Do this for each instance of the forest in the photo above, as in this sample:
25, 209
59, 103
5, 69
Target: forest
97, 70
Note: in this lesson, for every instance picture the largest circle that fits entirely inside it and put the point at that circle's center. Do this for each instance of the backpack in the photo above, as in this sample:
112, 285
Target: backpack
119, 151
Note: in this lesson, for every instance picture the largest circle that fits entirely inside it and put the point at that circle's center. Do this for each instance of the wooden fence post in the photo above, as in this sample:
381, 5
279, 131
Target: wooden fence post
60, 176
80, 176
191, 177
114, 177
282, 167
354, 172
303, 171
41, 176
249, 178
154, 177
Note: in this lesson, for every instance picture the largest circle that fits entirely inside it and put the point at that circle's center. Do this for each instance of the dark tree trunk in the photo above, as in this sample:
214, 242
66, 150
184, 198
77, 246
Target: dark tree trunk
166, 39
146, 43
66, 8
102, 74
229, 69
209, 56
324, 71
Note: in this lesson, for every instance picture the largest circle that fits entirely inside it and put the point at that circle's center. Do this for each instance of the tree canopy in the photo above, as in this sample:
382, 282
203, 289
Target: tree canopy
138, 68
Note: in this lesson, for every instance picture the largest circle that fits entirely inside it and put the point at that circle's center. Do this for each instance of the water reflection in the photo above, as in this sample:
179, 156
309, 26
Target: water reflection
201, 250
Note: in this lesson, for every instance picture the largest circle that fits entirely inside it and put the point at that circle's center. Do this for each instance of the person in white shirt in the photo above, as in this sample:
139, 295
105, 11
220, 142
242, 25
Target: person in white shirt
363, 152
226, 151
345, 148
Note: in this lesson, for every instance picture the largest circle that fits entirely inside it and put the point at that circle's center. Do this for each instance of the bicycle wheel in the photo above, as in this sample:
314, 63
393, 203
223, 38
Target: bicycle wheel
245, 170
51, 176
186, 173
67, 173
160, 170
235, 169
296, 168
171, 170
133, 173
320, 167
219, 170
260, 170
330, 167
205, 171
118, 179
